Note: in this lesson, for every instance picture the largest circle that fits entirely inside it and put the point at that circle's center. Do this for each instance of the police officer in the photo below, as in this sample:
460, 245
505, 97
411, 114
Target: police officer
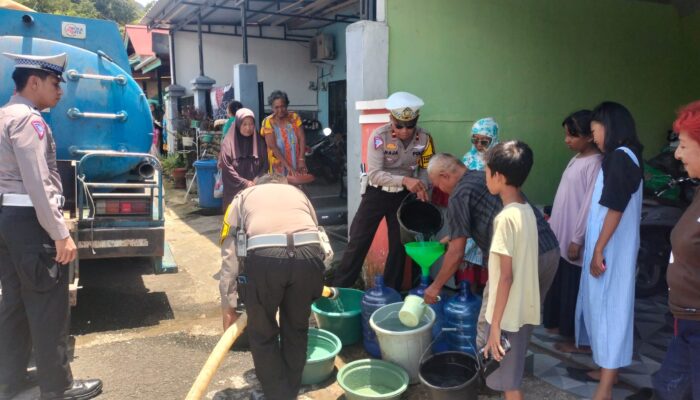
397, 155
35, 245
284, 267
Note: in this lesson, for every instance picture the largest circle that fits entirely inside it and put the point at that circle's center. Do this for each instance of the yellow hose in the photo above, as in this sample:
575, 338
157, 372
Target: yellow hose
216, 357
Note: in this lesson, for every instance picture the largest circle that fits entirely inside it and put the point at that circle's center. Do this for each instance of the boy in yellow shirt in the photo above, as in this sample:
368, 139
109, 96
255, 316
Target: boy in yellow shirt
514, 308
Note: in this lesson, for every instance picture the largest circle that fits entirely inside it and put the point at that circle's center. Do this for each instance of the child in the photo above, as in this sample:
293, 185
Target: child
568, 221
605, 306
514, 307
484, 135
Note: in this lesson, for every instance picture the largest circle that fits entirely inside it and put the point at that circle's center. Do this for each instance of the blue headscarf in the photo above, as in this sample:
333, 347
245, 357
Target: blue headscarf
486, 127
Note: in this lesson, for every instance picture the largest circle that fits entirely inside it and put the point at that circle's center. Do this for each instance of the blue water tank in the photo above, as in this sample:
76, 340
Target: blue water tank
440, 344
98, 89
373, 299
462, 314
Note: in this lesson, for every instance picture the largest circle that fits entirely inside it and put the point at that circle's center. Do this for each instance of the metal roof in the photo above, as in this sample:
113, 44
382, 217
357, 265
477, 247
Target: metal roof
291, 15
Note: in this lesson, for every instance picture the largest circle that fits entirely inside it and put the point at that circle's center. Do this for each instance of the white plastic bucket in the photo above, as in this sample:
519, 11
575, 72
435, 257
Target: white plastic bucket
400, 344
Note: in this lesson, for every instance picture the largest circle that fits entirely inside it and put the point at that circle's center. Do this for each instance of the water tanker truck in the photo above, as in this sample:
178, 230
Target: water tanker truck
103, 132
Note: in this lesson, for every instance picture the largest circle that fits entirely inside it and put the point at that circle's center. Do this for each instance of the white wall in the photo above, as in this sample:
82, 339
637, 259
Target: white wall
281, 65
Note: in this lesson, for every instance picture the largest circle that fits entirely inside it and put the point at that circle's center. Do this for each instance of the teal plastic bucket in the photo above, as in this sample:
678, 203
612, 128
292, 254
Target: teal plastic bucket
341, 316
371, 379
321, 349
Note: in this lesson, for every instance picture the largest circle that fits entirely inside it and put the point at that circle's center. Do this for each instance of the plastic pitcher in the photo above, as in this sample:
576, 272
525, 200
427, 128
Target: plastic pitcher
412, 310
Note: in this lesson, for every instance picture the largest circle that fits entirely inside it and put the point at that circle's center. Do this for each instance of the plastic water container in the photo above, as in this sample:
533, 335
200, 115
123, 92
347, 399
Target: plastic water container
206, 172
462, 313
440, 344
373, 299
401, 345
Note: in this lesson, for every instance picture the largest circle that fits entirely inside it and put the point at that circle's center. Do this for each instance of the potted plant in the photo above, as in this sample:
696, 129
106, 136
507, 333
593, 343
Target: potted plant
175, 166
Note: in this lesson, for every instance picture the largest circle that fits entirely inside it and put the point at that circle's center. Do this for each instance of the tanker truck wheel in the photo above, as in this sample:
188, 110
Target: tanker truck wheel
165, 264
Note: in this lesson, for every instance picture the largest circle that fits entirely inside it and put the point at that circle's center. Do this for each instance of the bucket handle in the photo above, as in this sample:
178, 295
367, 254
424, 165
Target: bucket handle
477, 356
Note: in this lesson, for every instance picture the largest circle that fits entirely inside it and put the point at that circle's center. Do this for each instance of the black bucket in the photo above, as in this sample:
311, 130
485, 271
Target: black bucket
419, 220
450, 375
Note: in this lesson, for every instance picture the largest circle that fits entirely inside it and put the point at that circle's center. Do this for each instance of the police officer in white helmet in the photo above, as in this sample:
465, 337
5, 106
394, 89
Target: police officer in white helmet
35, 245
397, 156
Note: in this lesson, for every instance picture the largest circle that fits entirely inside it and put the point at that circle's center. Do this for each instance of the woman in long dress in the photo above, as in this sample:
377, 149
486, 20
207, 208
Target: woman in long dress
284, 136
241, 160
605, 305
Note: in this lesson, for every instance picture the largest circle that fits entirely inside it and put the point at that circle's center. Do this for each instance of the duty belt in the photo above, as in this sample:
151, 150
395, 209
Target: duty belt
389, 189
23, 200
280, 240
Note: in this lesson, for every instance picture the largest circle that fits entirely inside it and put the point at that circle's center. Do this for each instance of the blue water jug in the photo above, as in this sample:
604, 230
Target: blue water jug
462, 314
440, 344
373, 299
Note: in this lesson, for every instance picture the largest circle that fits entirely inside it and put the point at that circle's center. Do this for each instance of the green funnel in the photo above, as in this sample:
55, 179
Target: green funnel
425, 254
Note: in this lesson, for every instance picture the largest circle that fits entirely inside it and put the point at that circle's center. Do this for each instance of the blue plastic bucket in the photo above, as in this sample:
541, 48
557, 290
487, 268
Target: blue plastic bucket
206, 172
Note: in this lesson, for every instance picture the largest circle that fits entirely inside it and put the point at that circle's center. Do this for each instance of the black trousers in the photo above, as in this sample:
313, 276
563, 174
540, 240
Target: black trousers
559, 307
375, 205
290, 284
34, 309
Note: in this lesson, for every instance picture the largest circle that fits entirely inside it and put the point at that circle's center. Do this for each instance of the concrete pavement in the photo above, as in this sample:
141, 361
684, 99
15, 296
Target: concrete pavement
147, 336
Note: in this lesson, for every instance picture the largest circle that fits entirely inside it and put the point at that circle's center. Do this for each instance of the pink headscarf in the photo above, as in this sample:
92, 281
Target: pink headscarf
242, 148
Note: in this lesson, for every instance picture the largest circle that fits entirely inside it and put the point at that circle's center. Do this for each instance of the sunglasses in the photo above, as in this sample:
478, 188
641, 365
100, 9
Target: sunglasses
398, 125
483, 142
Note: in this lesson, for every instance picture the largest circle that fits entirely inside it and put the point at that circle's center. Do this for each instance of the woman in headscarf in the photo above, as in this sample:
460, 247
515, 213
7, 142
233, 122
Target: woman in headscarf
484, 135
243, 155
242, 158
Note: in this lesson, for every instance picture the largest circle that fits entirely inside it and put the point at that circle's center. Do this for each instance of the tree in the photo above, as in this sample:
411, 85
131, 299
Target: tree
71, 8
120, 11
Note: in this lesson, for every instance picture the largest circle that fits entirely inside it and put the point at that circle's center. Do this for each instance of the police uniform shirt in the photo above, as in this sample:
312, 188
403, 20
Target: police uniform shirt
273, 208
389, 160
28, 154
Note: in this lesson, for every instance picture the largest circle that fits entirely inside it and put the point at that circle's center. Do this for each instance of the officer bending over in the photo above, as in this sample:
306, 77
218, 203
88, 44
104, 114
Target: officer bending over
279, 246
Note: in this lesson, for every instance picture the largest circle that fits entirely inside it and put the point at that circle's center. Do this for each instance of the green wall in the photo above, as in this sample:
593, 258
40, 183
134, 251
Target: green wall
530, 63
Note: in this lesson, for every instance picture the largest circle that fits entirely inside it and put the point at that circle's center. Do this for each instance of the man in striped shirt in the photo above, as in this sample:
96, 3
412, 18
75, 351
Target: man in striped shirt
471, 210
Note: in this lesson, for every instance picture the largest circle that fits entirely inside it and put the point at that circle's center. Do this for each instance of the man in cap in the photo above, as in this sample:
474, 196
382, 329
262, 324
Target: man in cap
35, 245
397, 155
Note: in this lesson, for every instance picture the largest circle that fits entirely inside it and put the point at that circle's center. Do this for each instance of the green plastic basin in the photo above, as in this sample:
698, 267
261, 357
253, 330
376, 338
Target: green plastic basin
321, 350
372, 379
341, 316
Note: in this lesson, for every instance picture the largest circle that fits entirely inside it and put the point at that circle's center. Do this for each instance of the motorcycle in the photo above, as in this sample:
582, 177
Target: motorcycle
659, 216
325, 158
667, 193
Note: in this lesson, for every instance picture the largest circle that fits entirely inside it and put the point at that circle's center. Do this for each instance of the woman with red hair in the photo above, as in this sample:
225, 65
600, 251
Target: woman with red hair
679, 375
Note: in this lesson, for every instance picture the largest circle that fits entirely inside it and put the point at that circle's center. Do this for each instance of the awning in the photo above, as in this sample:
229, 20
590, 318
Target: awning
286, 19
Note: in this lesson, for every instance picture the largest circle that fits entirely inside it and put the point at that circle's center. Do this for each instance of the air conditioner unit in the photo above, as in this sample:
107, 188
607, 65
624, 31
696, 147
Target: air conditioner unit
322, 47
